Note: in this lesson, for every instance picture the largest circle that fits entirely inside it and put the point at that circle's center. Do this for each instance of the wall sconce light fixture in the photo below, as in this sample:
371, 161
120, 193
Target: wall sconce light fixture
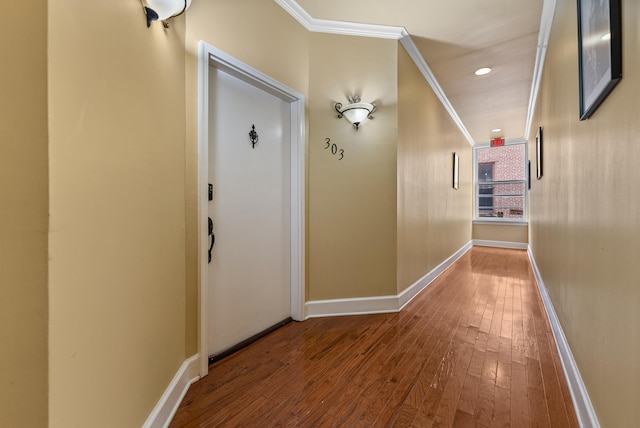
356, 112
161, 10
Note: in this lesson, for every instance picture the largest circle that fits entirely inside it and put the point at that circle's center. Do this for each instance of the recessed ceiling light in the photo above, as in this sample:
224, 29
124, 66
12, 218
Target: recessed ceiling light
496, 130
482, 71
606, 37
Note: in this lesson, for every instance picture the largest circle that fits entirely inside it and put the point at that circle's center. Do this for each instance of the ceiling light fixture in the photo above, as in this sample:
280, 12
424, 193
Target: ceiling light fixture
496, 130
355, 112
161, 10
482, 71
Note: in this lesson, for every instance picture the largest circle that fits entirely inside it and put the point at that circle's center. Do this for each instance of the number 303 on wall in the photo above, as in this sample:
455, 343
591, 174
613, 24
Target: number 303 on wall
334, 149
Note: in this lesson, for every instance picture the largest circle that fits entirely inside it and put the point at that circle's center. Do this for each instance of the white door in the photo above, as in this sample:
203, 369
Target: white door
249, 285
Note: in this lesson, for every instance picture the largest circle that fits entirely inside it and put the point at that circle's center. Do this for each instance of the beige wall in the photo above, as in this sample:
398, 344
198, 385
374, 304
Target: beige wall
23, 215
584, 225
117, 237
501, 232
434, 220
261, 34
118, 166
352, 202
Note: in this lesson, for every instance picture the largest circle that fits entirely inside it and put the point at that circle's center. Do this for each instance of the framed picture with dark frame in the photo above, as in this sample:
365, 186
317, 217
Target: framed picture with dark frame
456, 171
539, 153
599, 52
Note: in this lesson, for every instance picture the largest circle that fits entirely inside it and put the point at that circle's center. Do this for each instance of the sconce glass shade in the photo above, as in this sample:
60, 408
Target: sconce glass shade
356, 112
161, 10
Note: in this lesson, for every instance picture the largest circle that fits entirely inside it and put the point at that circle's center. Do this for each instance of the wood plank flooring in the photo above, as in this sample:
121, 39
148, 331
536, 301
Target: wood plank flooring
474, 349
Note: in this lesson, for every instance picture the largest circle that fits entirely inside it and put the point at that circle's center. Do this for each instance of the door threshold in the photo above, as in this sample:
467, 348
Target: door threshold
247, 342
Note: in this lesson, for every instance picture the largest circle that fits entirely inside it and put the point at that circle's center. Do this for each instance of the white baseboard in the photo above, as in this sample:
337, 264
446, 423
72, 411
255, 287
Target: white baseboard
379, 304
354, 306
500, 244
412, 291
165, 409
584, 409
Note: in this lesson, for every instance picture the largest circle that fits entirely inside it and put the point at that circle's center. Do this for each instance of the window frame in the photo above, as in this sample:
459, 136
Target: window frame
476, 189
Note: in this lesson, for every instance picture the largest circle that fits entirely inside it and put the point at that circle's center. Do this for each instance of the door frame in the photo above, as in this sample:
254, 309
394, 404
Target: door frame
209, 56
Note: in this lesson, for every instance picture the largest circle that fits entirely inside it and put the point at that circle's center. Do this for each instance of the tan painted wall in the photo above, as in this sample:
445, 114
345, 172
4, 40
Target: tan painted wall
434, 220
24, 221
261, 34
585, 227
352, 202
117, 239
501, 232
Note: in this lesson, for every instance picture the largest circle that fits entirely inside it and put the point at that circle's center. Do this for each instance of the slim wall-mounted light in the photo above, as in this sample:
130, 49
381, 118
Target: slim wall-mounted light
161, 10
356, 112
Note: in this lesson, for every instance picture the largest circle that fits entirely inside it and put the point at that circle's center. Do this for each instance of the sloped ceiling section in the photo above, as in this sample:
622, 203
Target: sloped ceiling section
455, 39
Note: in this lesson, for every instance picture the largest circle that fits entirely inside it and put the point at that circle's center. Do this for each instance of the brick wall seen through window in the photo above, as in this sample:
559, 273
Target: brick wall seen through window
501, 182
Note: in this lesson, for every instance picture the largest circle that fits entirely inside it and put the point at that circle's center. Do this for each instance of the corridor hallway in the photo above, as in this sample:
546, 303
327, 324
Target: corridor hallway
473, 349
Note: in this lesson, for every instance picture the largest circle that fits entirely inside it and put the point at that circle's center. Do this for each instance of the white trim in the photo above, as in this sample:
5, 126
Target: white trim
358, 29
380, 304
297, 12
412, 291
502, 222
413, 52
208, 55
546, 20
500, 244
584, 409
339, 27
382, 32
203, 167
166, 408
355, 306
297, 214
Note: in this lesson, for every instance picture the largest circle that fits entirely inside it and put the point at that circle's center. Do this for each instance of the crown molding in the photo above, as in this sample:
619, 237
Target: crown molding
377, 31
546, 20
340, 27
413, 52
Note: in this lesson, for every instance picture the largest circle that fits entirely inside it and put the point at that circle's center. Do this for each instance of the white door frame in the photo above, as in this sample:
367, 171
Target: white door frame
210, 56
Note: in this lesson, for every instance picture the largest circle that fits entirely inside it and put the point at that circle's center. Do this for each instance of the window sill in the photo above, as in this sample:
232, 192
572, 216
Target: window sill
503, 222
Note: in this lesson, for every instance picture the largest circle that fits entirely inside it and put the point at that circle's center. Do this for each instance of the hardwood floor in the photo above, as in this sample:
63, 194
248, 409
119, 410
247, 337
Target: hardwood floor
472, 350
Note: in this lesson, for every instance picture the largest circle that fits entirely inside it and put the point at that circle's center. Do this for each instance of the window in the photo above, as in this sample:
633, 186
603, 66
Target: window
485, 203
500, 182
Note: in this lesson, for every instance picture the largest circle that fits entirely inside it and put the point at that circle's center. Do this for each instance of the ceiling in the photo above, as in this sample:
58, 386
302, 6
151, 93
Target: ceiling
455, 38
